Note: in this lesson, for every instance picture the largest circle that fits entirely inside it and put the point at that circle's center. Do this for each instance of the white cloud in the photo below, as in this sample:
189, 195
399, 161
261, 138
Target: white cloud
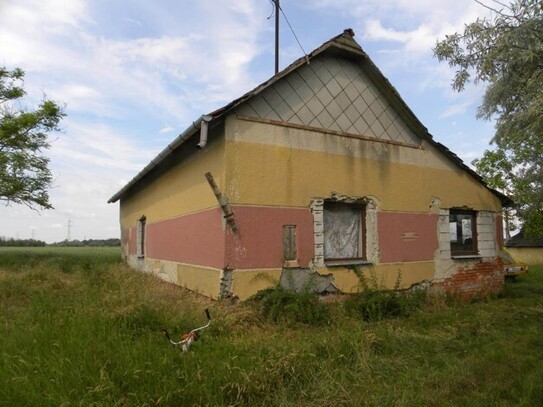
52, 16
420, 40
124, 73
99, 146
167, 129
456, 109
82, 98
159, 72
415, 25
132, 21
468, 156
164, 52
30, 29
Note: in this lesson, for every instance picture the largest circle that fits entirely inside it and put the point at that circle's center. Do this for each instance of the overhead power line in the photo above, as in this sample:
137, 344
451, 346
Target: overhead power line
277, 6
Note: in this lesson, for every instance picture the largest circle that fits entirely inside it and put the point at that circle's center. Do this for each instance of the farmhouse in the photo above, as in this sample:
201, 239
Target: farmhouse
525, 249
315, 176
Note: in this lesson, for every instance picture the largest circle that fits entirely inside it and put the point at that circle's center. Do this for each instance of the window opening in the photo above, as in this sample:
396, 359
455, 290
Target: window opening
463, 232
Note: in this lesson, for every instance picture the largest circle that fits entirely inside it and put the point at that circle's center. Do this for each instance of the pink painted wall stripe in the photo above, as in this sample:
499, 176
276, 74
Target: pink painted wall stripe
260, 241
407, 236
193, 239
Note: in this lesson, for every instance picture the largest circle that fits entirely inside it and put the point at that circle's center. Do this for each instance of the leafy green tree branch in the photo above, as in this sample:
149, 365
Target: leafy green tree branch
506, 53
25, 176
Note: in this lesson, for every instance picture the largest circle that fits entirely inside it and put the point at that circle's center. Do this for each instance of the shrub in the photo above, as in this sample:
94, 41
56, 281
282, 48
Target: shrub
374, 305
281, 305
375, 301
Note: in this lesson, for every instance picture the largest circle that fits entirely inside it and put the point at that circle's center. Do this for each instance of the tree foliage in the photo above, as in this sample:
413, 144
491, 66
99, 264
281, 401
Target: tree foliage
24, 171
5, 242
112, 242
506, 53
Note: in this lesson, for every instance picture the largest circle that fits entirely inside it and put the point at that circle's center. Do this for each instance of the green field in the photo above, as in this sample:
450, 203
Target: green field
77, 327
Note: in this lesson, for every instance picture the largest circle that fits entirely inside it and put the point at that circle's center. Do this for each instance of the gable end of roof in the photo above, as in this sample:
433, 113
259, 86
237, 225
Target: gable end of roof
346, 45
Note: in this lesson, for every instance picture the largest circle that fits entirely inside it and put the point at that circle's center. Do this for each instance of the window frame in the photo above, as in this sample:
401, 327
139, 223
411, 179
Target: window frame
140, 237
460, 252
290, 246
360, 209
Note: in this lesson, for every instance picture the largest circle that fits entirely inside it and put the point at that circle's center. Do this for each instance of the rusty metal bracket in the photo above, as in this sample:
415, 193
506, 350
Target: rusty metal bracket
223, 202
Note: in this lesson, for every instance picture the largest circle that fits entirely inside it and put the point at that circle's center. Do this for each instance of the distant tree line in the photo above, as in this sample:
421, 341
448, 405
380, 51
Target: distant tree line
10, 242
89, 243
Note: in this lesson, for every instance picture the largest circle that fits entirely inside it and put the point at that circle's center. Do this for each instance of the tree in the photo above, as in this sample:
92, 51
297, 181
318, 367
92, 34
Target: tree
506, 53
496, 169
24, 172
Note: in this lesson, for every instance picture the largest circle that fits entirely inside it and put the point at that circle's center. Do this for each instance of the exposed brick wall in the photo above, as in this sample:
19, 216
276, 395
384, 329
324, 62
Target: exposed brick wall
482, 278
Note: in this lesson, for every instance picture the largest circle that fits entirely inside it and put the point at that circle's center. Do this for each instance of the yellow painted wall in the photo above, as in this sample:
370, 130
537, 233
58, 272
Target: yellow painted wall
261, 164
181, 190
391, 275
203, 280
282, 166
247, 282
528, 255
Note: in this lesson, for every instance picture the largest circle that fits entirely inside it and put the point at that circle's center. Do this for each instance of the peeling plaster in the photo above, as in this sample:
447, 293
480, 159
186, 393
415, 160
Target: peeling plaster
306, 280
225, 287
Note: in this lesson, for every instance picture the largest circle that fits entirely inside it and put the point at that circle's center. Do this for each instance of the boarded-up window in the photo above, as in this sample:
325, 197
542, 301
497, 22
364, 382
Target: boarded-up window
289, 242
463, 232
343, 231
140, 239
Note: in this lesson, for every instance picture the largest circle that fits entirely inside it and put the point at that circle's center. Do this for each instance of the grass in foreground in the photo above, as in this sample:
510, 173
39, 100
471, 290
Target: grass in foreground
80, 328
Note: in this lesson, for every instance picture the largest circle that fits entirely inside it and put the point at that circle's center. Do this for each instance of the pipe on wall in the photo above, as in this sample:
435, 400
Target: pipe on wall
204, 126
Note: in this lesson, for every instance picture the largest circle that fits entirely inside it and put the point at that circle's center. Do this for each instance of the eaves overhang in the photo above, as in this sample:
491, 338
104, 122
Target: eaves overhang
341, 42
170, 148
345, 45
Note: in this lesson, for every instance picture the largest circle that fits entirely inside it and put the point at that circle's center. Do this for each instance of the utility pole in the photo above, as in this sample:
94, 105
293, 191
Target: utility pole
277, 7
69, 234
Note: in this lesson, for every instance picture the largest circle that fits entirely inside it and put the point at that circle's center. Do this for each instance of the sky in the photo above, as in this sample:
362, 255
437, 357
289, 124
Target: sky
133, 74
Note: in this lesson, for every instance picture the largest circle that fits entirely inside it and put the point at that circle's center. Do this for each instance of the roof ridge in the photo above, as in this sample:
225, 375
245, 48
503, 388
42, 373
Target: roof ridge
343, 41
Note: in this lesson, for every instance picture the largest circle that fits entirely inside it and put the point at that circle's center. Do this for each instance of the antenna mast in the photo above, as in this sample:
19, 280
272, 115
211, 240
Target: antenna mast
276, 2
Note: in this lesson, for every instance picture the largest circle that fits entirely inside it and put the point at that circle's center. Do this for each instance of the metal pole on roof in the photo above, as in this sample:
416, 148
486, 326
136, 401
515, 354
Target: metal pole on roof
276, 36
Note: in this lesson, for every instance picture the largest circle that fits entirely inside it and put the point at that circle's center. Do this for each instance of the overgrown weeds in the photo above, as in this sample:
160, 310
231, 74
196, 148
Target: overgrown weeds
281, 305
375, 305
90, 337
375, 302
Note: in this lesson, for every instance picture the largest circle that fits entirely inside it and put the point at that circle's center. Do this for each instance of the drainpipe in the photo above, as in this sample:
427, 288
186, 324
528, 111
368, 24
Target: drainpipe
204, 125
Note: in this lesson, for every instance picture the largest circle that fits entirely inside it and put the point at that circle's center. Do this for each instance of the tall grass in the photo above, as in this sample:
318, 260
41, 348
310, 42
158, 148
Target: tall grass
87, 334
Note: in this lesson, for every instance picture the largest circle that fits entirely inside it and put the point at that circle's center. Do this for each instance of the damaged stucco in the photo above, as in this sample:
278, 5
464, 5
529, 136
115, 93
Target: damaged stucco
273, 158
303, 280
